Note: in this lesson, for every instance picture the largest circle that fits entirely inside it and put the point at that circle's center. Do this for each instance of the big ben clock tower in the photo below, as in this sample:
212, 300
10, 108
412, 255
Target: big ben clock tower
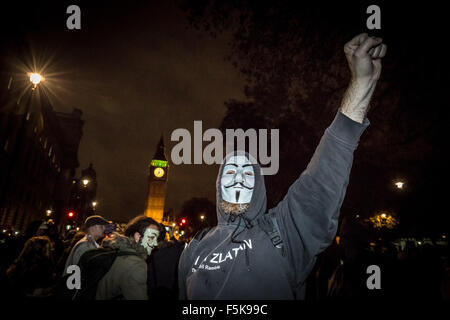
157, 183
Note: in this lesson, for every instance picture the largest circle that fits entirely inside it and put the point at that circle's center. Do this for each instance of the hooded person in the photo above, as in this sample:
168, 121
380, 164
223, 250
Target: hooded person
257, 254
127, 277
237, 259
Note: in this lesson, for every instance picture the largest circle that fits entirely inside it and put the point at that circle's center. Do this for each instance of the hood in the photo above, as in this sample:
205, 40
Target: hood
123, 243
258, 202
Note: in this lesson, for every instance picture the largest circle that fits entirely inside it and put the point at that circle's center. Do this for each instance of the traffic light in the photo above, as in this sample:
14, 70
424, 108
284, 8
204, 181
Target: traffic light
183, 222
70, 214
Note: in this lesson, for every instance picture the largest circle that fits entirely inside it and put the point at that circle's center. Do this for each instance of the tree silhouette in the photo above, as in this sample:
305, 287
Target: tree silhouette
193, 209
291, 56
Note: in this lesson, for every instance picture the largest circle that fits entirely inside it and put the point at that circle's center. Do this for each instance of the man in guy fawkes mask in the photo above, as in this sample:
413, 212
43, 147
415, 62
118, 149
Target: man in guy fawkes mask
127, 277
257, 254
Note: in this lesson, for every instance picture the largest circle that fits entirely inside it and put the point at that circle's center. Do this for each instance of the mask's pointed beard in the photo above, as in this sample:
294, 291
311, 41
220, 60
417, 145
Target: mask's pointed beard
234, 208
238, 193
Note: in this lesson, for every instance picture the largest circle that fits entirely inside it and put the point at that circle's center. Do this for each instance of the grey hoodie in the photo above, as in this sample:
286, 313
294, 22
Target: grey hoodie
237, 260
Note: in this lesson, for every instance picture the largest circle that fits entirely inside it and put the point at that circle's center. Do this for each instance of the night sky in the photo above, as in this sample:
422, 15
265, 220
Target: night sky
136, 71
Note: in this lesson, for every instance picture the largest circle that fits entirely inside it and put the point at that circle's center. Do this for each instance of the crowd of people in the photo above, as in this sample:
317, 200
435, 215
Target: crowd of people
141, 263
411, 271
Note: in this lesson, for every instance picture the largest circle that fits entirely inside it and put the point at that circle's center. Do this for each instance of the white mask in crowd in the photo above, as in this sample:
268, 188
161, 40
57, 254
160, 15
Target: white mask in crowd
150, 239
238, 180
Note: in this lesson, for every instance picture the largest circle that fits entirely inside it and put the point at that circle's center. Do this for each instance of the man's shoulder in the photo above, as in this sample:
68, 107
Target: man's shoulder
129, 263
202, 233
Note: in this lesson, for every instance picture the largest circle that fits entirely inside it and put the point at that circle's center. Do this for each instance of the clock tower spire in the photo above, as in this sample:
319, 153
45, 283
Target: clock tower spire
157, 183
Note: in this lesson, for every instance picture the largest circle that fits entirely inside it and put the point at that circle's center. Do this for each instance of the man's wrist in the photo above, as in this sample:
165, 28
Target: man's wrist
355, 103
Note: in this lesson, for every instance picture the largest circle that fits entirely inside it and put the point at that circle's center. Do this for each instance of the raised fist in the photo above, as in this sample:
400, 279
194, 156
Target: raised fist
364, 55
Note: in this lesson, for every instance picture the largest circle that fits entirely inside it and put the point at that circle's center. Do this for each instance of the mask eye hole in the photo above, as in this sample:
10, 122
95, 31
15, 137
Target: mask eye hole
230, 172
249, 173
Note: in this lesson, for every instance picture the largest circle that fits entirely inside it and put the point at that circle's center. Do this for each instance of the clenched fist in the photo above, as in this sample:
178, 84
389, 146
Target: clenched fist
364, 55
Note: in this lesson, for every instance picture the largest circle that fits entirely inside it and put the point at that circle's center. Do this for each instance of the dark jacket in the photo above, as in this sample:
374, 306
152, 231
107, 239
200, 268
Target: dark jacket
127, 278
162, 270
237, 260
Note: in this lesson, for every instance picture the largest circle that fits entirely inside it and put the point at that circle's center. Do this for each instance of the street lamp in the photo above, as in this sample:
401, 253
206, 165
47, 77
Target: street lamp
49, 212
399, 184
94, 204
85, 182
202, 217
35, 79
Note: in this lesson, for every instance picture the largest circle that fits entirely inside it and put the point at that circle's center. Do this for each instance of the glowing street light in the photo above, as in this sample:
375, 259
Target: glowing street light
85, 182
384, 220
36, 78
94, 204
49, 212
399, 184
202, 217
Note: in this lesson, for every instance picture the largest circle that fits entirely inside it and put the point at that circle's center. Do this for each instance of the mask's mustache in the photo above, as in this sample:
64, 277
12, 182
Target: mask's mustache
240, 184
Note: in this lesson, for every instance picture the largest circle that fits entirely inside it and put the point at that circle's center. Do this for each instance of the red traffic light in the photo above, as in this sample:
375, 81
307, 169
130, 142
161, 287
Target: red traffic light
70, 214
183, 221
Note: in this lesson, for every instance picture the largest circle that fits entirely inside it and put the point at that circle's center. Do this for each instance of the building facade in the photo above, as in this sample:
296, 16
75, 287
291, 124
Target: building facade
83, 197
38, 154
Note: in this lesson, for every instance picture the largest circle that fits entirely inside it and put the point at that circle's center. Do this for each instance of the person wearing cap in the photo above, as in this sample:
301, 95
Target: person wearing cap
95, 227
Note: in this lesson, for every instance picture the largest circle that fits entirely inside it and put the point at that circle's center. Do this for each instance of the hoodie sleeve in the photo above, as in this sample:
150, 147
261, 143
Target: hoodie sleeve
308, 215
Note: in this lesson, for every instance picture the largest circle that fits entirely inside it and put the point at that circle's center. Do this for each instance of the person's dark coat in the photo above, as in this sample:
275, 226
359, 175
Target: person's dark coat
162, 270
127, 277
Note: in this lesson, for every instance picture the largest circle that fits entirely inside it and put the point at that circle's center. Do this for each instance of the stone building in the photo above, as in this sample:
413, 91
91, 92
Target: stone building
38, 153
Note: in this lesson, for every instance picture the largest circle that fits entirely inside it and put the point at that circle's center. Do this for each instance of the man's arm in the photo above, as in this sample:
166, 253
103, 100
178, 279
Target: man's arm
308, 214
363, 55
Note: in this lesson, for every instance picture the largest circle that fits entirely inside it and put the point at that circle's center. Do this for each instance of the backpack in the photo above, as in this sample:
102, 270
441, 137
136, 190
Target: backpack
268, 223
94, 264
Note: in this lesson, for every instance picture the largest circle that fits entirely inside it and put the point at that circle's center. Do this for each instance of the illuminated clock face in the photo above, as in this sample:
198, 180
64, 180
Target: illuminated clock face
158, 172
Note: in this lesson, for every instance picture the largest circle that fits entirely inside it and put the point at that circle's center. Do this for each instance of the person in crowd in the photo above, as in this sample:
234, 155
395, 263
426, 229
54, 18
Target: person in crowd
73, 240
32, 274
49, 229
257, 254
95, 227
127, 277
162, 268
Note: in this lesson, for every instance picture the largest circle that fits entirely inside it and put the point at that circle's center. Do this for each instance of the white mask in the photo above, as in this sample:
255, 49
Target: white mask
238, 180
150, 239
